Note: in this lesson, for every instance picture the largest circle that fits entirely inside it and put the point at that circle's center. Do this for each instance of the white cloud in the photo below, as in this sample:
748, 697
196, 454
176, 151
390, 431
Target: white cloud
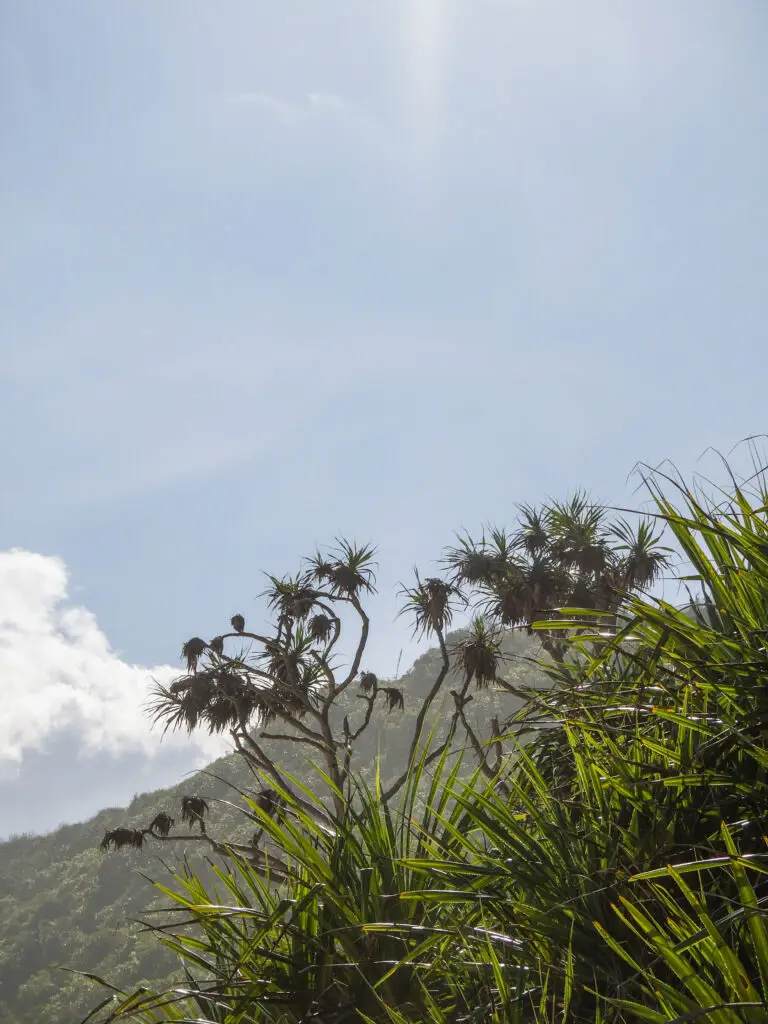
326, 101
58, 673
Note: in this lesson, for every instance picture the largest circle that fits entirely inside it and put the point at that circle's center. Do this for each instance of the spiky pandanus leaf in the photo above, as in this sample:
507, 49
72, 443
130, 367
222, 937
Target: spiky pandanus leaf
394, 698
312, 673
578, 537
320, 627
162, 823
368, 681
195, 700
437, 607
182, 704
642, 558
265, 707
345, 578
193, 811
431, 602
192, 651
471, 562
547, 580
532, 534
478, 654
232, 700
293, 671
301, 603
292, 598
349, 571
231, 685
283, 664
320, 567
120, 838
584, 593
179, 686
221, 715
268, 800
509, 601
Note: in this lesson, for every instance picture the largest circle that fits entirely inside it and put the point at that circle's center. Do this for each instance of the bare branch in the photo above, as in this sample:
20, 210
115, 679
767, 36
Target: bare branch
480, 753
371, 698
263, 862
419, 727
267, 765
284, 737
349, 736
356, 661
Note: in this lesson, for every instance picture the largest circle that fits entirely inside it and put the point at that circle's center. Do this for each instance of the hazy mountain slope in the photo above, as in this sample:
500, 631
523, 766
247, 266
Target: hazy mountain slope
62, 901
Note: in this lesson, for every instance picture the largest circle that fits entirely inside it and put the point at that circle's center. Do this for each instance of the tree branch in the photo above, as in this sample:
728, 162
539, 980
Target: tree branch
418, 728
266, 764
371, 698
361, 645
284, 737
480, 753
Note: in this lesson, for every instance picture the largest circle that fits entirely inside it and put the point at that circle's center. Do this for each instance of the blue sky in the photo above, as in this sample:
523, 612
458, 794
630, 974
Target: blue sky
273, 272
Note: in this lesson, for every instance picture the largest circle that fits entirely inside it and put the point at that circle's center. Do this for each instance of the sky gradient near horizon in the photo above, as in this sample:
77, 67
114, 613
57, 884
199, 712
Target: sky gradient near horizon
274, 273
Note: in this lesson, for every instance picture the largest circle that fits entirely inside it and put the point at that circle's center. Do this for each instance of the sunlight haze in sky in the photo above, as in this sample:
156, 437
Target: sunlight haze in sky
271, 273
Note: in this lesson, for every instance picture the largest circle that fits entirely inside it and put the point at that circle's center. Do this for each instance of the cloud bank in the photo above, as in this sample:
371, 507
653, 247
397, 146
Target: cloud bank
58, 673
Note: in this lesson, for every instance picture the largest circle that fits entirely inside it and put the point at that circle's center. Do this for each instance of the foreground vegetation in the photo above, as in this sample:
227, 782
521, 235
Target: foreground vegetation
64, 902
613, 871
610, 866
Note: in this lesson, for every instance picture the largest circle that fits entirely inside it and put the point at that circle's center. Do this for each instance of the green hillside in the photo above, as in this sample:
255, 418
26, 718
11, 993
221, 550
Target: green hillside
64, 902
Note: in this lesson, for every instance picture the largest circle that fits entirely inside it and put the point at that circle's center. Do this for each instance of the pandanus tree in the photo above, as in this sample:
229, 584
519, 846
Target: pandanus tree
562, 555
249, 683
291, 681
617, 875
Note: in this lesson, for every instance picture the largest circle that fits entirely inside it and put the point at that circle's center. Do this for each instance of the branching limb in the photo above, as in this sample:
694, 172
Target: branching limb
263, 862
268, 766
365, 625
264, 763
351, 737
514, 691
481, 750
423, 711
371, 699
285, 737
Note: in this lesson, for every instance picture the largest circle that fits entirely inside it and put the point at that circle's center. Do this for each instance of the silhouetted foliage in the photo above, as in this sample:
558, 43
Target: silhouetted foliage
193, 811
162, 824
119, 838
609, 872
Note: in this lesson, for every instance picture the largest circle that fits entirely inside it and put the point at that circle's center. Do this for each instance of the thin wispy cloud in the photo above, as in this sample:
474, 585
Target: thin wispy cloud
290, 112
266, 103
327, 101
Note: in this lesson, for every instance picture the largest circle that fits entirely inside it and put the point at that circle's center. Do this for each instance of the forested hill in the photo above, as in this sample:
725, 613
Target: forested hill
63, 902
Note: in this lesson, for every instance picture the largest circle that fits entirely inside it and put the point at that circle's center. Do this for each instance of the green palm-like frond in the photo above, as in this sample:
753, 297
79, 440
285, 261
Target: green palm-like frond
348, 570
642, 559
478, 653
432, 603
533, 532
